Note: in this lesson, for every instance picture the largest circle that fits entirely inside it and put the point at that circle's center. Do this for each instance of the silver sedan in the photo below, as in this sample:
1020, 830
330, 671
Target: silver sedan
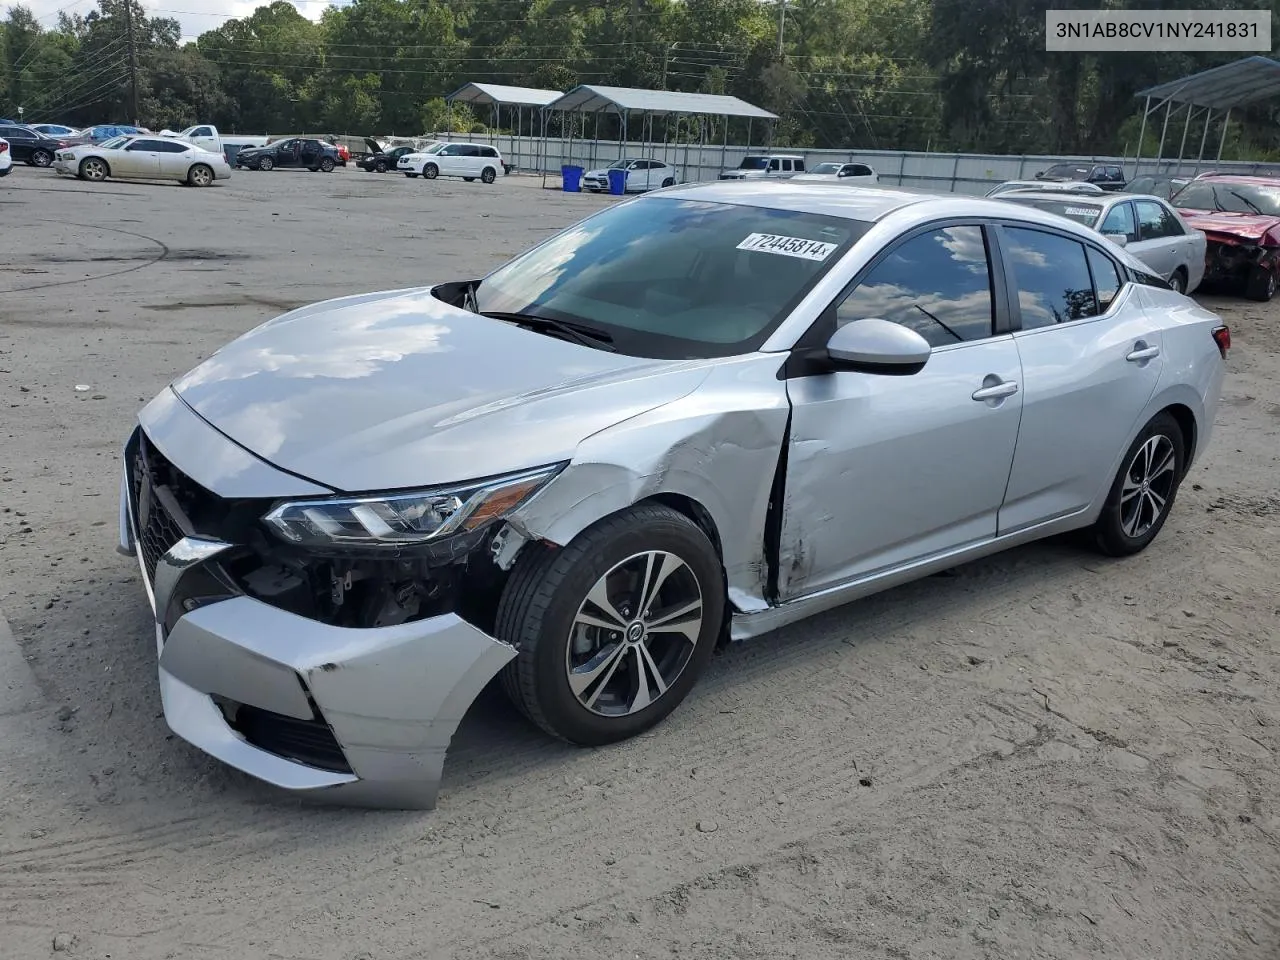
143, 158
694, 417
1147, 226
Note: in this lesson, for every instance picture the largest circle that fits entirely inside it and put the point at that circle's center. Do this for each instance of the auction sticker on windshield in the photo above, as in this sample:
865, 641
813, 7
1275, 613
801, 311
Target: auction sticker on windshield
788, 246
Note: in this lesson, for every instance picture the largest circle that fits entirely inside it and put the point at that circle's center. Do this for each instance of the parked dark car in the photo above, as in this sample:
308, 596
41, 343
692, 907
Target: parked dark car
1107, 176
1162, 187
379, 160
294, 152
30, 146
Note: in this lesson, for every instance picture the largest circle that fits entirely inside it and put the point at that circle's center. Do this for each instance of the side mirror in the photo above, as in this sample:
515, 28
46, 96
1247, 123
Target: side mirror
878, 346
1119, 239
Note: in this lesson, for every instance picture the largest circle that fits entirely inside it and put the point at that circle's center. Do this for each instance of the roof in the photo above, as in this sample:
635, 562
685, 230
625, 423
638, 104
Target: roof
822, 197
496, 93
589, 98
1230, 85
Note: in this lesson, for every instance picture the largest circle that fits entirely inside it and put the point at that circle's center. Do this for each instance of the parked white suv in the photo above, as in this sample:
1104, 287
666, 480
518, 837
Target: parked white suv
470, 161
6, 158
762, 165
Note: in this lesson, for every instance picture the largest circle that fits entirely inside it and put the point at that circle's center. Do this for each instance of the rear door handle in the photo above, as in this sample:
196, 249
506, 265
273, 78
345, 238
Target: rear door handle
997, 391
1138, 354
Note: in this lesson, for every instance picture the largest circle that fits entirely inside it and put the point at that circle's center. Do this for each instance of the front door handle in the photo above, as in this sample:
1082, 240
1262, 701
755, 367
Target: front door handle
1140, 353
997, 391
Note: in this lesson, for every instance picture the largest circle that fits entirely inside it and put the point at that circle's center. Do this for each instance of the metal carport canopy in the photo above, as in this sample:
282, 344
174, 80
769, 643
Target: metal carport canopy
496, 94
1218, 89
1221, 88
589, 98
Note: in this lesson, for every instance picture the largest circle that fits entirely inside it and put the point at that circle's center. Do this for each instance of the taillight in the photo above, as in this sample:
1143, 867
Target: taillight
1222, 337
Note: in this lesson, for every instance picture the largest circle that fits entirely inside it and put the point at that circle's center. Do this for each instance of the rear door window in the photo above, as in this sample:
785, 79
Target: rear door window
1051, 277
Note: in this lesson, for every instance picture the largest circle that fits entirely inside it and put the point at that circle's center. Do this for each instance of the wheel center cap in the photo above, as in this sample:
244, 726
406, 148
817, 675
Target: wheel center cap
635, 632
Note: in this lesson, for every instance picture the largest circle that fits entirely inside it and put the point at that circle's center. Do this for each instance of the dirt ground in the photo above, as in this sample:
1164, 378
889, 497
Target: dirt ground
1045, 755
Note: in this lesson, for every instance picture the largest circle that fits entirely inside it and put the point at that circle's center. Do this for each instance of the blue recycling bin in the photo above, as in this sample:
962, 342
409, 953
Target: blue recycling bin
617, 182
572, 178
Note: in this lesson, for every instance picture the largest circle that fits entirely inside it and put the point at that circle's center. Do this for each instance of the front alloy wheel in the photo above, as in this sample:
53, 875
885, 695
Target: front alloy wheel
633, 633
266, 163
93, 169
612, 630
431, 171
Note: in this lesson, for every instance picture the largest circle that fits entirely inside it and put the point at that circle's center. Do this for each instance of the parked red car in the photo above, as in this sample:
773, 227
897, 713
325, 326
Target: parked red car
1240, 217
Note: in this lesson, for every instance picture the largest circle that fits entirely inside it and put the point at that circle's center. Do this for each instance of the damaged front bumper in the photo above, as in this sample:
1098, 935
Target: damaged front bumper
360, 716
1231, 261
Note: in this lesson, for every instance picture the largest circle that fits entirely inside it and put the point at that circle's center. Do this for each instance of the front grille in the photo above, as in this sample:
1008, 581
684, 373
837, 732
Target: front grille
306, 741
158, 529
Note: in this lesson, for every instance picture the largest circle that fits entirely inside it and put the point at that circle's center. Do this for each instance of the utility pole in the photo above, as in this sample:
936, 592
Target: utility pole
133, 62
782, 24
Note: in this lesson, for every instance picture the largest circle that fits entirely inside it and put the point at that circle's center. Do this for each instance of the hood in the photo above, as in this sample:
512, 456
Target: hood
1243, 226
373, 145
398, 389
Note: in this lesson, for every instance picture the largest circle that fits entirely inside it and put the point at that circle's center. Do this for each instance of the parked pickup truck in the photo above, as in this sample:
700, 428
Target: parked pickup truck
206, 135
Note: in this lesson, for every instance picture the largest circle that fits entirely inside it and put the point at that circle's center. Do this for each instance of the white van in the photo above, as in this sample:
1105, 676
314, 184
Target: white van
470, 161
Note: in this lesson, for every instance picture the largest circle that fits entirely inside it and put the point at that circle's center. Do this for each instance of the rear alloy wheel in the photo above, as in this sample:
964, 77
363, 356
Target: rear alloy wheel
200, 175
1143, 492
488, 175
431, 171
613, 630
1179, 281
1261, 285
326, 165
266, 163
93, 169
41, 157
669, 182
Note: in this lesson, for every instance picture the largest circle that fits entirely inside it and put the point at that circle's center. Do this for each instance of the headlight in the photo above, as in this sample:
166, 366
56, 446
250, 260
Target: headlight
405, 518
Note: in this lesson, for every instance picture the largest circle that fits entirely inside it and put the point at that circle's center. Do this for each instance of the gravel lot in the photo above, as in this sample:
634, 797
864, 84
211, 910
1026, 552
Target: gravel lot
1044, 755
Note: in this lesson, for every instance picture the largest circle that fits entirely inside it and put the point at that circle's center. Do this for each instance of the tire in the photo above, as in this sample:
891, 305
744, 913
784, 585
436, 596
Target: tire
41, 157
1261, 285
469, 179
200, 175
412, 176
431, 171
266, 163
326, 165
1132, 517
93, 169
548, 590
669, 182
488, 175
1179, 281
380, 166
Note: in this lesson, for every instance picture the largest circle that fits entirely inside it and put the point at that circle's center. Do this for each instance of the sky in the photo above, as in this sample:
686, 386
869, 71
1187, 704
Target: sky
196, 16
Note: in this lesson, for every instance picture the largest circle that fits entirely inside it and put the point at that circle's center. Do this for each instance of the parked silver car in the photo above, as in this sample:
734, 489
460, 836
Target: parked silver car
698, 415
1147, 226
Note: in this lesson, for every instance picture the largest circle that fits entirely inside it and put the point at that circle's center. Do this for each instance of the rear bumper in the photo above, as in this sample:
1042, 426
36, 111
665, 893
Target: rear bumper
338, 714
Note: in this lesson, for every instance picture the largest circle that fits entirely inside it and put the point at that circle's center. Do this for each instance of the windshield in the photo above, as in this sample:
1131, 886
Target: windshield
114, 142
434, 148
1083, 213
674, 279
754, 163
827, 168
1230, 197
1067, 171
619, 165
